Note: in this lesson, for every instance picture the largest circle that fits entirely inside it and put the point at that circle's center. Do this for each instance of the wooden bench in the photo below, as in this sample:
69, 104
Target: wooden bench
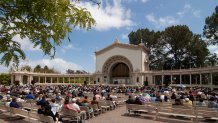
206, 113
147, 108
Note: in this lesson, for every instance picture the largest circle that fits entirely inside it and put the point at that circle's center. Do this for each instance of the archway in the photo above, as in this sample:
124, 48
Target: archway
117, 70
119, 73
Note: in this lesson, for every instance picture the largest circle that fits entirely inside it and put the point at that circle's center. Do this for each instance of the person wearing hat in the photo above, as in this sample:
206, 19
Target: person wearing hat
187, 102
76, 107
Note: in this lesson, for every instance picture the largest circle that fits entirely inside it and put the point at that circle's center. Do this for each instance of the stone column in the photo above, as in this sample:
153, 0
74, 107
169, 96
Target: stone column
39, 79
180, 79
162, 78
190, 79
73, 79
51, 80
200, 79
211, 79
89, 80
68, 79
171, 79
57, 79
154, 80
21, 79
45, 79
63, 80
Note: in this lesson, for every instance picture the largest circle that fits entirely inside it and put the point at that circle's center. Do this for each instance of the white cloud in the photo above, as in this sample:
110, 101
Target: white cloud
58, 64
25, 43
70, 47
108, 15
213, 49
187, 9
161, 21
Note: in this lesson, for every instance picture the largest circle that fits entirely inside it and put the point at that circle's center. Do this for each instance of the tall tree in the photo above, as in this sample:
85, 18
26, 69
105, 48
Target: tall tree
183, 48
150, 40
211, 27
175, 47
37, 69
45, 22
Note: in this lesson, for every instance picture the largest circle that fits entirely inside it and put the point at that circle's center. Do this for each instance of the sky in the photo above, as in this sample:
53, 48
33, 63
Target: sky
115, 19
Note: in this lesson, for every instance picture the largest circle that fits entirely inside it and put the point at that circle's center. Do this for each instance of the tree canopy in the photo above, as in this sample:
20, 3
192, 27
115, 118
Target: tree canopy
211, 27
175, 47
46, 23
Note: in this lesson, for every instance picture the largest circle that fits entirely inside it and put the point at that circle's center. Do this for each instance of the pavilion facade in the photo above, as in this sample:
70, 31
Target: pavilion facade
125, 64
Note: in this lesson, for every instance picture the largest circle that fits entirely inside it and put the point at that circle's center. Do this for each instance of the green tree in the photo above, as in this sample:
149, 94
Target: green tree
37, 69
183, 48
5, 79
26, 67
211, 27
175, 47
151, 41
45, 22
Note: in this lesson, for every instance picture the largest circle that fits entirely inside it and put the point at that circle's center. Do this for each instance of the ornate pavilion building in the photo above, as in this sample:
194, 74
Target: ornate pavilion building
128, 64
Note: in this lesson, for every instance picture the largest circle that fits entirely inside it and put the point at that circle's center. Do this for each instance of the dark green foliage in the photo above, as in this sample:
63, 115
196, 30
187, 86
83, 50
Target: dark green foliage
45, 22
211, 28
5, 79
174, 48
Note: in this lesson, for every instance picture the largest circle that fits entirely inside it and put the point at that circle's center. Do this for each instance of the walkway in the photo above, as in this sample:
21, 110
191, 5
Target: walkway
117, 116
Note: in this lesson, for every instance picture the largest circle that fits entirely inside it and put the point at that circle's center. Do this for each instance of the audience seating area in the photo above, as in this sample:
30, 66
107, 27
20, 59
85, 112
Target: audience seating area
161, 109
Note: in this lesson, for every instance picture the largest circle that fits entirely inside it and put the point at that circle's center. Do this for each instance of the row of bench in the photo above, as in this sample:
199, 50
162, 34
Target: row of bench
167, 109
26, 114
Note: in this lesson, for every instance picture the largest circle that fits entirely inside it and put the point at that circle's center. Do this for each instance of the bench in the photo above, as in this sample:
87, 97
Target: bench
203, 112
147, 108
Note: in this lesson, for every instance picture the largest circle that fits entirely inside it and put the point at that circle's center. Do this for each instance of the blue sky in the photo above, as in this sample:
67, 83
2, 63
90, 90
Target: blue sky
116, 19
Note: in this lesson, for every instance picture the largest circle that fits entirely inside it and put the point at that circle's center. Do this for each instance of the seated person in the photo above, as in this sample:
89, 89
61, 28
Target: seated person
55, 107
187, 102
75, 107
58, 96
14, 103
140, 100
85, 100
46, 110
200, 102
109, 97
42, 101
94, 101
158, 99
130, 100
78, 102
29, 96
212, 103
178, 102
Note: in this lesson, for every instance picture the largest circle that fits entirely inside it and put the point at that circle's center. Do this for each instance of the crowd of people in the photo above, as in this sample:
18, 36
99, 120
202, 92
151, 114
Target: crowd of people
51, 99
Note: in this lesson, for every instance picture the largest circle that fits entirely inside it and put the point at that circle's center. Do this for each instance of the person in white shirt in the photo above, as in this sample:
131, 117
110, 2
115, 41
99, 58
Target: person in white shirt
74, 106
55, 107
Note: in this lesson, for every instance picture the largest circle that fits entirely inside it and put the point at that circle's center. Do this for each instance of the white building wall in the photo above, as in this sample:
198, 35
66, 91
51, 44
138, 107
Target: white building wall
133, 56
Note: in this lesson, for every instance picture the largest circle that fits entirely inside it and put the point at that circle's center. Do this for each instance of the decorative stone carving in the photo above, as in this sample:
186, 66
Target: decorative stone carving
116, 59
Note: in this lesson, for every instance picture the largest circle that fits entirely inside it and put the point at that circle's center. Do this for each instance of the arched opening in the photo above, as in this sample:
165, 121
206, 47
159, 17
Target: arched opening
120, 73
25, 79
